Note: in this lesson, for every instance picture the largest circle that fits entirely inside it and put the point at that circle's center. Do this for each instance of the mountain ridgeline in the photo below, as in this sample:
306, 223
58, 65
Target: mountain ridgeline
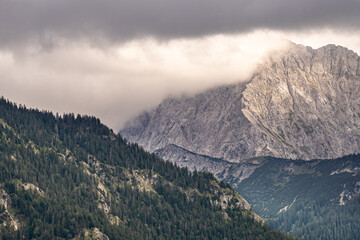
314, 199
317, 199
301, 103
71, 177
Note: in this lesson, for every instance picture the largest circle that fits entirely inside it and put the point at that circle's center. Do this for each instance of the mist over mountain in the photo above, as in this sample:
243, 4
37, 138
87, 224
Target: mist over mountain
301, 103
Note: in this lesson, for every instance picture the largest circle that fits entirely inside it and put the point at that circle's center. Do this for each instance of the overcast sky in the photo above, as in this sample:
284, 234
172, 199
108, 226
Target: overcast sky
114, 59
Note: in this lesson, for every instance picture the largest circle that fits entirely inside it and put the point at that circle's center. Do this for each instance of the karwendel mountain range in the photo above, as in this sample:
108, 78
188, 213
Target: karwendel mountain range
286, 139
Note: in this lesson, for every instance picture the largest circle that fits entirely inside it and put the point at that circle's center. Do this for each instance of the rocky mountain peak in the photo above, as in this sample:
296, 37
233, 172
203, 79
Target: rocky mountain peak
300, 103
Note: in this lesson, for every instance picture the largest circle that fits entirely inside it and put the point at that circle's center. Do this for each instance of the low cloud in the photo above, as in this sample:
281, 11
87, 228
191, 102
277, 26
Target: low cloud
320, 37
116, 82
119, 81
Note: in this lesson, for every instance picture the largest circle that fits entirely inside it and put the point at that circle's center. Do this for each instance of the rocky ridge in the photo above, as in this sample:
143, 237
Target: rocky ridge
300, 103
221, 169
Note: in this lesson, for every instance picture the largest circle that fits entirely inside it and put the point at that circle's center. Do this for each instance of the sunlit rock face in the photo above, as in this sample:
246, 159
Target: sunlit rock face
300, 103
307, 102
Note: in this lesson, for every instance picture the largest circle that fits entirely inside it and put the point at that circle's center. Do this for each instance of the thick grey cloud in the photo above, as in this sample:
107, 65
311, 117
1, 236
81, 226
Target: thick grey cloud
117, 82
113, 59
111, 20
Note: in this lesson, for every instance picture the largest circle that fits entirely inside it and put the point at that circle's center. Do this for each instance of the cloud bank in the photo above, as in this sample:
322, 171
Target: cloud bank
114, 59
122, 20
118, 82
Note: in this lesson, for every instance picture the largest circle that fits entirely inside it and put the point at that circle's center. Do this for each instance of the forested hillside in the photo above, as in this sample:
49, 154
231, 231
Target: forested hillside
71, 177
317, 199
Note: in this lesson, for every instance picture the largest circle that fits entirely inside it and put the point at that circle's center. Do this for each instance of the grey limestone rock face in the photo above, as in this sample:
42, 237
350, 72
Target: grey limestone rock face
300, 103
307, 102
220, 168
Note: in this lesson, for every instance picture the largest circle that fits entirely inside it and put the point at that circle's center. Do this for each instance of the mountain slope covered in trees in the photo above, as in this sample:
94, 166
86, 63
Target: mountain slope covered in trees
71, 177
317, 199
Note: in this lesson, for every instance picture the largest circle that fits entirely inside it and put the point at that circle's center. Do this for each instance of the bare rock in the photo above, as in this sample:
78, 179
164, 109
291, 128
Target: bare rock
300, 103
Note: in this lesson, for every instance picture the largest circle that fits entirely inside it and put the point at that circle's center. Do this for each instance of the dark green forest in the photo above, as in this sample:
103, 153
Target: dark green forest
63, 175
317, 199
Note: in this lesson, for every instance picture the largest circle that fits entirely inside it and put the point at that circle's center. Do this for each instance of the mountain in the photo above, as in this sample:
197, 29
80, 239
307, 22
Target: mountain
300, 103
317, 199
221, 169
313, 199
71, 177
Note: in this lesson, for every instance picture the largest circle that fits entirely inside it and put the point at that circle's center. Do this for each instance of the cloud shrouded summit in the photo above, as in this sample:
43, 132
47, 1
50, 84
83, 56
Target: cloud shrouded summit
117, 82
112, 20
113, 59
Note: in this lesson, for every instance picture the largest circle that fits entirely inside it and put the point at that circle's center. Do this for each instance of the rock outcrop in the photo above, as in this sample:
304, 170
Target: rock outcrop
234, 173
300, 103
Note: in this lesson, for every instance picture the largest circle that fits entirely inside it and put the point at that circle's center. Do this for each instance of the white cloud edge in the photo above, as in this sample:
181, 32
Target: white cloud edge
117, 82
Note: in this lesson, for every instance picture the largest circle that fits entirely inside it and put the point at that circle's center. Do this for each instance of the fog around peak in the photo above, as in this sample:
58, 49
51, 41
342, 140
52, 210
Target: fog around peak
114, 59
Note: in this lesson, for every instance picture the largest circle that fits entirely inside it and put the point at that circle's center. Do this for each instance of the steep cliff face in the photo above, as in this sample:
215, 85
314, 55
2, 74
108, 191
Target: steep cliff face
300, 103
307, 102
211, 123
